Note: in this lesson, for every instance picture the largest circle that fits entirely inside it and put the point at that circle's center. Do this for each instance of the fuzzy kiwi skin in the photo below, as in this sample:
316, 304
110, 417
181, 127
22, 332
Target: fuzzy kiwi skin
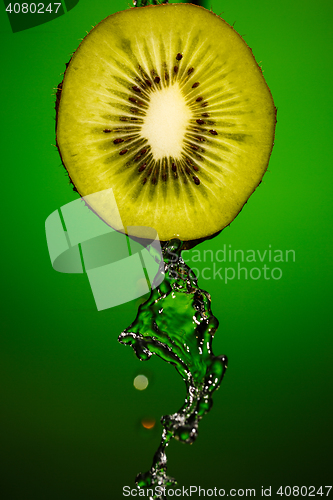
188, 244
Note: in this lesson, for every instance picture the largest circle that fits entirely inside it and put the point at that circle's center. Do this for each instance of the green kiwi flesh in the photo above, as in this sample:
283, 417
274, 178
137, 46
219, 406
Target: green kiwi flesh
166, 106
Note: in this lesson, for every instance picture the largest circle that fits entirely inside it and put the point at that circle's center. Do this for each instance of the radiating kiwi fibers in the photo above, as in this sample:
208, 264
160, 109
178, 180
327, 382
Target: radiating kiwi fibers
167, 106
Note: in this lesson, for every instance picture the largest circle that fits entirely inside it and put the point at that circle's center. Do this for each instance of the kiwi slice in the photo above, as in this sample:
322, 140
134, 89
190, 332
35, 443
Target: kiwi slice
167, 106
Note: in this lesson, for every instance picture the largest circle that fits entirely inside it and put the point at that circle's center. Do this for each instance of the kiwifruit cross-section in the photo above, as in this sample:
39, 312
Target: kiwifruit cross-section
167, 106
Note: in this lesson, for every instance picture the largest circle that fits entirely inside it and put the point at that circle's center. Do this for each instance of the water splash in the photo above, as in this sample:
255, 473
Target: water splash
177, 324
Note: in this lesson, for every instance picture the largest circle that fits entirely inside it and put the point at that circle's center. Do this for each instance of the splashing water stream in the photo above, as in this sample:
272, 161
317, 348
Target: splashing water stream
177, 324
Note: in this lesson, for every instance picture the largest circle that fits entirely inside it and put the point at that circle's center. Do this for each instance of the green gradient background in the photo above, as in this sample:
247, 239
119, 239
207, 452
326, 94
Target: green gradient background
69, 413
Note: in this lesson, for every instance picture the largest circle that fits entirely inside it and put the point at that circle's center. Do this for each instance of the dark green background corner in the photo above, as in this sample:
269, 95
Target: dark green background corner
70, 417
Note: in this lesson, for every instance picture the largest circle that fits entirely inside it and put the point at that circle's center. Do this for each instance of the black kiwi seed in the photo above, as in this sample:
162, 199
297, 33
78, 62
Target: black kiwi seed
106, 130
186, 169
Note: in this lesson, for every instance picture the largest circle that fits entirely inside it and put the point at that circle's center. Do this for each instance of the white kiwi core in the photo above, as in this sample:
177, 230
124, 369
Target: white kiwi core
166, 121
